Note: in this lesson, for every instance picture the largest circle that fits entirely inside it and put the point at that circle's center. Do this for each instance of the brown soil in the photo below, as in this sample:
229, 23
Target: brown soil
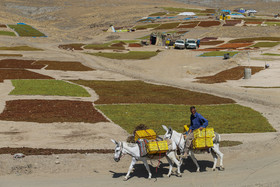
234, 45
207, 39
190, 24
209, 23
39, 151
48, 111
12, 55
3, 26
20, 74
52, 65
209, 49
115, 92
230, 74
181, 32
71, 46
254, 22
211, 42
134, 45
119, 44
21, 64
232, 22
64, 66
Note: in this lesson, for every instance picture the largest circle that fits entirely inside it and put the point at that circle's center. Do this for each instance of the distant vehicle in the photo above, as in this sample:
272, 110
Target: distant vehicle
179, 44
190, 44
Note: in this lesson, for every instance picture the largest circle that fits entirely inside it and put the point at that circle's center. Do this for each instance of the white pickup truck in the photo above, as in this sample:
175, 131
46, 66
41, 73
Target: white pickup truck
179, 44
190, 44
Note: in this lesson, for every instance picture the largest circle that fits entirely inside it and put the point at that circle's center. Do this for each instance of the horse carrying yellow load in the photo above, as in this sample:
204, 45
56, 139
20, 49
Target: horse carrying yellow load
202, 138
152, 146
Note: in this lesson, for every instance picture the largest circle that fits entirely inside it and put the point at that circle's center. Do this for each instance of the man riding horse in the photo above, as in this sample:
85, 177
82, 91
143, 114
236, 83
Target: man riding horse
197, 122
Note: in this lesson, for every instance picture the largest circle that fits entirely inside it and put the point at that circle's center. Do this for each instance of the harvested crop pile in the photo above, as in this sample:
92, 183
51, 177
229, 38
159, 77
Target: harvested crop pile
71, 46
64, 66
211, 42
48, 111
114, 92
20, 74
39, 151
19, 64
234, 45
134, 45
209, 23
230, 74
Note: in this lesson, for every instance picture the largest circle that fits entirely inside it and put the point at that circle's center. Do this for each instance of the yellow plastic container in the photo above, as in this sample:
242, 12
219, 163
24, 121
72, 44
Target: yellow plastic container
154, 147
186, 128
206, 132
202, 143
148, 134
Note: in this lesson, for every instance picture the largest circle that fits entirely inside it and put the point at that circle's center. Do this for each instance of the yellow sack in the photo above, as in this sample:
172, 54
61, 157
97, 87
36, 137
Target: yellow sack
154, 147
148, 134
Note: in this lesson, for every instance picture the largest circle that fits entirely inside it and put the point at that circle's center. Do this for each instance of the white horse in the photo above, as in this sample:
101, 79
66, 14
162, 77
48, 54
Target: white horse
132, 149
178, 138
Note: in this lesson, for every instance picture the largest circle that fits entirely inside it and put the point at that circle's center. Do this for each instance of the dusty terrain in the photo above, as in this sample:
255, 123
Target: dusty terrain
254, 163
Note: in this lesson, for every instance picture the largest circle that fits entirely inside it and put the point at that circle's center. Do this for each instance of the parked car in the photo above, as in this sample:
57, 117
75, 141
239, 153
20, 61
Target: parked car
190, 44
179, 44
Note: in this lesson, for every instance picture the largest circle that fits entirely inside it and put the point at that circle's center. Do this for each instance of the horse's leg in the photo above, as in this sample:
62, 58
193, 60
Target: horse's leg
215, 157
147, 167
130, 168
171, 155
170, 166
194, 160
216, 149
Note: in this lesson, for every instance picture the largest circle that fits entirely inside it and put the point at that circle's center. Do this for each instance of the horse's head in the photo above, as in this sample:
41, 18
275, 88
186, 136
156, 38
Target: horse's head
168, 133
118, 150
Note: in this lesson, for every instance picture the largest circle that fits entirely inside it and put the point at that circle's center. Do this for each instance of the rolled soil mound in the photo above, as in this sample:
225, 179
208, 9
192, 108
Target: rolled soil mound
3, 26
39, 151
20, 74
48, 111
235, 73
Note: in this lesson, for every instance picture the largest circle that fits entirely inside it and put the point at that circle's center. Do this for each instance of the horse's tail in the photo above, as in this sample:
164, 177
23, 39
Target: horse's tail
217, 138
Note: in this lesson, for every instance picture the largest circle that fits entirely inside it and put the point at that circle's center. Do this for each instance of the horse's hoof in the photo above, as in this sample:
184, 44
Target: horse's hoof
179, 175
222, 168
169, 175
125, 179
213, 169
149, 178
197, 170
